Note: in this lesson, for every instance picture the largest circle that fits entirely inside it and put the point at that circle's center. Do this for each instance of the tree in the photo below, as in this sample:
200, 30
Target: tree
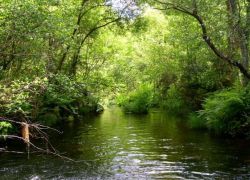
91, 17
192, 8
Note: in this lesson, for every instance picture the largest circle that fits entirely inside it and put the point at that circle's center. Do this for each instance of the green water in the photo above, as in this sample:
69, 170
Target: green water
122, 146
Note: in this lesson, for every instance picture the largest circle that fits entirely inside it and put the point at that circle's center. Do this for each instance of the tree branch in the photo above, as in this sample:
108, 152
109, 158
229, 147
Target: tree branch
81, 14
36, 147
91, 31
205, 36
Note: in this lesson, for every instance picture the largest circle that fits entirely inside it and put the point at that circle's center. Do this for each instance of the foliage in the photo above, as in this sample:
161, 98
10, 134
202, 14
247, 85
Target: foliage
18, 99
227, 112
69, 95
57, 56
34, 98
5, 127
137, 101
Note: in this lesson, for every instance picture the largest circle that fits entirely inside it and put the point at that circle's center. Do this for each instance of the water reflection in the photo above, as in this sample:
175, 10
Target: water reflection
118, 146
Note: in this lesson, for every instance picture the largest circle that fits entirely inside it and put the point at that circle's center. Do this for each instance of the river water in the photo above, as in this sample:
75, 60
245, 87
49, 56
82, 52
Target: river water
115, 145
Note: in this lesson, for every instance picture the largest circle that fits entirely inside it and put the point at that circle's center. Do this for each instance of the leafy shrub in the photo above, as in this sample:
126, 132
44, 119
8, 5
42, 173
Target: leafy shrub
5, 127
137, 101
227, 112
19, 98
69, 95
58, 95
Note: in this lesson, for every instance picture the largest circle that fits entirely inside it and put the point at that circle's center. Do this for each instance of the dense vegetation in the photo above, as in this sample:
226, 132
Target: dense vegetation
60, 59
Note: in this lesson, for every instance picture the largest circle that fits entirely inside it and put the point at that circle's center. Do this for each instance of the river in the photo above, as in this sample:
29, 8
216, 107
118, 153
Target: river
115, 145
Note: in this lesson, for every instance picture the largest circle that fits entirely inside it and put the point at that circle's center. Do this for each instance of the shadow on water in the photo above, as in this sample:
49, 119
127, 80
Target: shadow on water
115, 145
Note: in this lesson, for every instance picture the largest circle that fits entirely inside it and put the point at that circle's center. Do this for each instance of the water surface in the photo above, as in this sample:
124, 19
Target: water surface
115, 145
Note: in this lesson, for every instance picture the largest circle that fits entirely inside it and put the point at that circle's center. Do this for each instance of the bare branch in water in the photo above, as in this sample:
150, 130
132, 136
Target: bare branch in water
37, 148
35, 125
38, 129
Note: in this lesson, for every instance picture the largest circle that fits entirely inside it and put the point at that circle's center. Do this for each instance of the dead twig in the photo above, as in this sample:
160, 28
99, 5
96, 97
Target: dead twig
36, 128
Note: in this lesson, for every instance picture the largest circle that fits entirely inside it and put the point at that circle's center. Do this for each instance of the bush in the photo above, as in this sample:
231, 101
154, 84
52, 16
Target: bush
39, 98
138, 101
18, 99
70, 96
227, 112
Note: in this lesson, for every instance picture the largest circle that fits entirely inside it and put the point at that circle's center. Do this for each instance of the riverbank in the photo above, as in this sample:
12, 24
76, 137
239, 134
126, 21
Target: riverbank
45, 100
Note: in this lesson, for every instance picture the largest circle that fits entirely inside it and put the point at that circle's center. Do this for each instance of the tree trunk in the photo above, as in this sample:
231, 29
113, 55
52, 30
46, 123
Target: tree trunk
73, 36
240, 33
232, 48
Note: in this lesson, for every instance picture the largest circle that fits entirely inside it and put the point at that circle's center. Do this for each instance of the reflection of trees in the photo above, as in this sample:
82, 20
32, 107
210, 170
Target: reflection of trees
150, 141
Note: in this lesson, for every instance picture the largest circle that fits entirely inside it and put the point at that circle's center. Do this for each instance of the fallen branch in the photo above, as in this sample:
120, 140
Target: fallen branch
35, 125
37, 129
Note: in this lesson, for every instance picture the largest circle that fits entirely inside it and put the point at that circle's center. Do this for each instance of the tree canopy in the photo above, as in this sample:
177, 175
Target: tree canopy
58, 56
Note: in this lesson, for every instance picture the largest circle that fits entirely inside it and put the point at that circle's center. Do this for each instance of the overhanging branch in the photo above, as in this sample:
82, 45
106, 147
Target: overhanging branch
193, 13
